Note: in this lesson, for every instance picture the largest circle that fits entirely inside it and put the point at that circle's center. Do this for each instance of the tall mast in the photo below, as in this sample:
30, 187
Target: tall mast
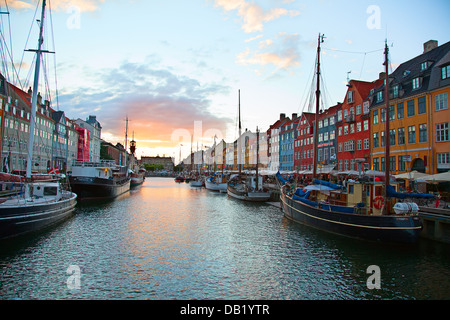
126, 140
35, 93
386, 133
316, 126
239, 144
257, 158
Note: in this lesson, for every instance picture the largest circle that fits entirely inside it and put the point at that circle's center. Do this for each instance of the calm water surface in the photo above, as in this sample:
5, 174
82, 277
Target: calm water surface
165, 240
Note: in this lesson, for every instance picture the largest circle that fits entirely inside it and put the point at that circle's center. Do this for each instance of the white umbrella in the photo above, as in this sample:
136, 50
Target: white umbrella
445, 176
413, 175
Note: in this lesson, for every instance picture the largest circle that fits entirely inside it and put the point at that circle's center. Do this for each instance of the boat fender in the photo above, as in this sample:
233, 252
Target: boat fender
378, 202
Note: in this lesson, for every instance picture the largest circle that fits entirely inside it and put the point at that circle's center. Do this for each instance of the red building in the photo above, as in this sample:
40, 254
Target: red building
304, 142
83, 143
353, 134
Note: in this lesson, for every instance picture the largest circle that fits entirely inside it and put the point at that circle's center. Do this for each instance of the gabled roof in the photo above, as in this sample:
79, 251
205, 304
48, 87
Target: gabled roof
407, 71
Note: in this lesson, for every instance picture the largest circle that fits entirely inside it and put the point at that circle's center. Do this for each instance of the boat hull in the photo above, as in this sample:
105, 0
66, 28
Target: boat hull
136, 180
248, 196
17, 221
196, 183
220, 187
96, 188
383, 228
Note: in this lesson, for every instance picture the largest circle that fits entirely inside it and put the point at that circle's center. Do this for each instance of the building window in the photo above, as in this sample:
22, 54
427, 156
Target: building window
423, 132
383, 115
401, 136
400, 111
375, 117
376, 164
422, 105
375, 140
340, 147
382, 139
383, 167
392, 112
350, 96
379, 96
346, 164
358, 126
424, 66
366, 144
366, 107
442, 132
411, 134
395, 91
340, 165
339, 115
445, 72
392, 164
443, 160
410, 108
366, 125
358, 109
441, 101
340, 131
392, 137
416, 83
359, 145
345, 129
401, 164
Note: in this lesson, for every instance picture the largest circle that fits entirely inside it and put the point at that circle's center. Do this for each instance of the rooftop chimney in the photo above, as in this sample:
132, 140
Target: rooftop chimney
382, 76
430, 45
294, 116
282, 116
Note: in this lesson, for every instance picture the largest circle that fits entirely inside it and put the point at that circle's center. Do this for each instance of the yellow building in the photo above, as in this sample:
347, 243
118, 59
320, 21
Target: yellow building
415, 122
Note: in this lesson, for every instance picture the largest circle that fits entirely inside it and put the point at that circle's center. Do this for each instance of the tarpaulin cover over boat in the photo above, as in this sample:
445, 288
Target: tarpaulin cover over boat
403, 195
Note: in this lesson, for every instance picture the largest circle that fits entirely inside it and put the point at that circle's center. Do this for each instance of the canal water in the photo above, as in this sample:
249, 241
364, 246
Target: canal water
165, 240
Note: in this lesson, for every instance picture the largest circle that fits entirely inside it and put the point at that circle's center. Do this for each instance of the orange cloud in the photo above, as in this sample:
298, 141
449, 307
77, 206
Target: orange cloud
157, 102
252, 14
281, 52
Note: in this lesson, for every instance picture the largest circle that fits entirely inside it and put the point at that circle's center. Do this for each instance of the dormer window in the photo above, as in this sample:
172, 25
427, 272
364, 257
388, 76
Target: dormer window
395, 92
445, 72
416, 83
380, 96
406, 73
424, 66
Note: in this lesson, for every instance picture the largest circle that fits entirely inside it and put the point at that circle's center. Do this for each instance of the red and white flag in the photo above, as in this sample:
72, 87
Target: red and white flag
55, 170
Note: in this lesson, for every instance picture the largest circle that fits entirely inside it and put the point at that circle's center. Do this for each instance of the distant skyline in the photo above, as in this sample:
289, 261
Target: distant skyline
171, 65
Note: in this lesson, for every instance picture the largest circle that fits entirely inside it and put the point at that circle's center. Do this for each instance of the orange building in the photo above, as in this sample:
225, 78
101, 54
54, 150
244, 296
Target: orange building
418, 129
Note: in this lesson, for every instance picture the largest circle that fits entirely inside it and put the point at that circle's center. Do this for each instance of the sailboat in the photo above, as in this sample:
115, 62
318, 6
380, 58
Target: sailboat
137, 174
104, 179
328, 207
33, 204
249, 188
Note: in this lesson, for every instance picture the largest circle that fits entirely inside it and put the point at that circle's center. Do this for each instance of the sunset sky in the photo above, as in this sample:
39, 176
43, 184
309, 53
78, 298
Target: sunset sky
169, 64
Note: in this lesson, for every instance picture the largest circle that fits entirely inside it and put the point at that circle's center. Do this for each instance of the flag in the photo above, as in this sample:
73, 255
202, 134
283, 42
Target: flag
55, 170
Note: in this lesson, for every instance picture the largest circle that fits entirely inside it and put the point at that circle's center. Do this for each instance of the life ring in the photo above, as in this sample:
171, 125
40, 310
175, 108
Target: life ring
378, 202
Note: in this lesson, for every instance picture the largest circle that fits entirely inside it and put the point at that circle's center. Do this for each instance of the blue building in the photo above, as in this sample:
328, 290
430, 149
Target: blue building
327, 138
287, 139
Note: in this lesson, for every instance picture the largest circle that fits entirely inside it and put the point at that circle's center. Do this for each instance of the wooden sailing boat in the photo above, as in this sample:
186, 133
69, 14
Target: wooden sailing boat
36, 204
249, 188
326, 206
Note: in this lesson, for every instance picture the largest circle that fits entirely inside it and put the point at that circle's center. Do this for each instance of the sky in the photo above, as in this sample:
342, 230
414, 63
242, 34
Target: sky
174, 68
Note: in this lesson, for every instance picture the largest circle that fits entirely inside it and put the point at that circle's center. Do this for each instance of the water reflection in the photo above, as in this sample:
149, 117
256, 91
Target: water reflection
164, 240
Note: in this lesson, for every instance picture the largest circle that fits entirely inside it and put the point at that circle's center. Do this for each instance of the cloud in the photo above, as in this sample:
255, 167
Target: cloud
156, 101
253, 15
280, 52
64, 5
